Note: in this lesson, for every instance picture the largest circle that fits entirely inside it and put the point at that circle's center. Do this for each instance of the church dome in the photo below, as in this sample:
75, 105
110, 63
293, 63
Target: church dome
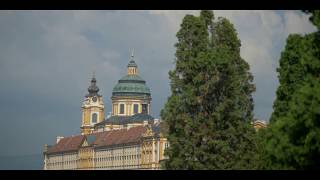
131, 85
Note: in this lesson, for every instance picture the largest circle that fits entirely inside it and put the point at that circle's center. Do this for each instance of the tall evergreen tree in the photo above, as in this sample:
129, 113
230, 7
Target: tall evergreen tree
291, 72
210, 109
292, 139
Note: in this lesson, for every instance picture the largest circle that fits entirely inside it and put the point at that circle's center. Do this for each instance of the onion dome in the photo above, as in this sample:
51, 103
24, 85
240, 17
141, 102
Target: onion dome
93, 88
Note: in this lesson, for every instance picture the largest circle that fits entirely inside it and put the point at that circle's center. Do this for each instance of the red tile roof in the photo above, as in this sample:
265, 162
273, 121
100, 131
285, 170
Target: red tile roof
71, 143
106, 138
122, 136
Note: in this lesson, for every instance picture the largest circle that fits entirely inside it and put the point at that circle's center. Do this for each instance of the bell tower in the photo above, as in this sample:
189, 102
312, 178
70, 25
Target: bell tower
92, 108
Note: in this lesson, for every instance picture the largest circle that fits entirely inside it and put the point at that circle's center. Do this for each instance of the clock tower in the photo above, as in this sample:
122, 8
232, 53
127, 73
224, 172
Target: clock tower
92, 108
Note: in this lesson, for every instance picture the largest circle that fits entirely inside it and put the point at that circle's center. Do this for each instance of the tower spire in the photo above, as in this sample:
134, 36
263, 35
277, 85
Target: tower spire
132, 56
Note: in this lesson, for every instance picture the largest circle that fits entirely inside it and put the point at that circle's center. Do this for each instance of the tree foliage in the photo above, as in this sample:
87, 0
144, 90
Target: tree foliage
210, 110
292, 140
315, 17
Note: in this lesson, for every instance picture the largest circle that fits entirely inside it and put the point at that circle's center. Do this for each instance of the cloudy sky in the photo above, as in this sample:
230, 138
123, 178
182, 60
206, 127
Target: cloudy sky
47, 59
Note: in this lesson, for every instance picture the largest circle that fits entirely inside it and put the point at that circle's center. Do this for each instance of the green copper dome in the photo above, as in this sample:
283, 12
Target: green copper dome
131, 85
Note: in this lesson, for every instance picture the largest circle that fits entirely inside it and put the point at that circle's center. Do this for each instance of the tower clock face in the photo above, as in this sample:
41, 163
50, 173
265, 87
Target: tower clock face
94, 99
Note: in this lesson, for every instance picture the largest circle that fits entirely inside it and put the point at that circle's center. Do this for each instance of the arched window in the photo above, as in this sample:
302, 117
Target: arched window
94, 118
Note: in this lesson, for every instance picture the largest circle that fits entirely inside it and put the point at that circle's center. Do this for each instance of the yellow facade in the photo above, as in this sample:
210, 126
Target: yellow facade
162, 147
86, 158
128, 103
132, 70
89, 108
150, 152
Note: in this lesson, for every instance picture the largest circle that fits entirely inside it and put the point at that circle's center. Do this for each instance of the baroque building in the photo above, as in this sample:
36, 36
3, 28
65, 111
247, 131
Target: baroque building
129, 139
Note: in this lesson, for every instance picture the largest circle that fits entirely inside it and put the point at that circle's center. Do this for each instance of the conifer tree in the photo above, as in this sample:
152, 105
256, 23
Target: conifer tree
292, 139
210, 109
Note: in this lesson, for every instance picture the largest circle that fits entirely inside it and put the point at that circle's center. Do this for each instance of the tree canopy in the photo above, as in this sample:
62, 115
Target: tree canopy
292, 139
209, 113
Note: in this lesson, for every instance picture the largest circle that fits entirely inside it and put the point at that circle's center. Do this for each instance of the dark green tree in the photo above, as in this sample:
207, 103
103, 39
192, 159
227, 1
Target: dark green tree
207, 16
210, 110
292, 71
315, 17
292, 139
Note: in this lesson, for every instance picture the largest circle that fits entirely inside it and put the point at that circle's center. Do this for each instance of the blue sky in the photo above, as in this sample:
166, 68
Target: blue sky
47, 59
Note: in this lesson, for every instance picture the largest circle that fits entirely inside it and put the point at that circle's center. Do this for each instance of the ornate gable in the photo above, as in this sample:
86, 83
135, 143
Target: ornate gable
85, 143
149, 132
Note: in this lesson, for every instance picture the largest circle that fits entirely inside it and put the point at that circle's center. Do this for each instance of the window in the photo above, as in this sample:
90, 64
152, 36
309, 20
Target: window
121, 108
144, 108
135, 108
94, 118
